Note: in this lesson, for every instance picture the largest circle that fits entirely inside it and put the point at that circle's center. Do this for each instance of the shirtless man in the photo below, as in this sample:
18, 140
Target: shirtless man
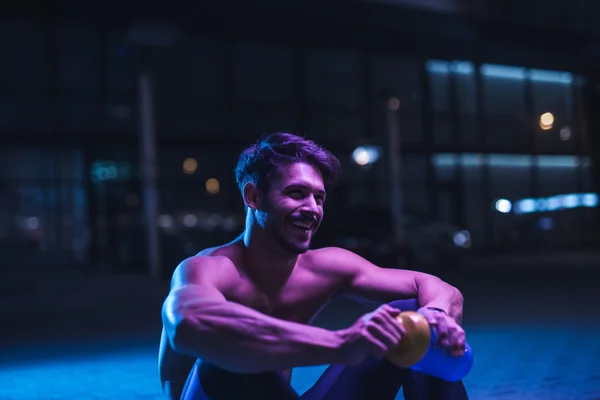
244, 308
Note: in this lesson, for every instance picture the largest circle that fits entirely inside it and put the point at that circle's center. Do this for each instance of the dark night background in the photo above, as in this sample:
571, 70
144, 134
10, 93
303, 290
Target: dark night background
497, 105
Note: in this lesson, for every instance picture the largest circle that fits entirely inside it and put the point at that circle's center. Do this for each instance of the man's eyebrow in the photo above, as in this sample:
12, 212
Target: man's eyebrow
304, 186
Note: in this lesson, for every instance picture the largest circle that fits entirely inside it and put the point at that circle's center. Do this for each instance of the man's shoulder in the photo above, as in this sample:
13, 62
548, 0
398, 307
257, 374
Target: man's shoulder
334, 259
205, 265
202, 261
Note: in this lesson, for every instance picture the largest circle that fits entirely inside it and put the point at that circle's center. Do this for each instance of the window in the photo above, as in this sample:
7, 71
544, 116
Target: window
453, 98
44, 205
524, 215
475, 208
26, 112
78, 54
192, 70
25, 44
121, 70
344, 127
254, 123
181, 118
80, 114
333, 78
399, 78
264, 72
513, 100
508, 126
181, 191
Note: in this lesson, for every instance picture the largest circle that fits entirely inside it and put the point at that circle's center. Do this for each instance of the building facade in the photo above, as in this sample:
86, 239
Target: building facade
499, 150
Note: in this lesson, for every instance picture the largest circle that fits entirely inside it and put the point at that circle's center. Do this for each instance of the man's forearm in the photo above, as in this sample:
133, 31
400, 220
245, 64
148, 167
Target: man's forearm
241, 339
435, 293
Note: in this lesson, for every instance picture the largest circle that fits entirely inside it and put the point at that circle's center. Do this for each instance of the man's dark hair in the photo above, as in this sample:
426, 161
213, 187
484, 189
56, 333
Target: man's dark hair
259, 161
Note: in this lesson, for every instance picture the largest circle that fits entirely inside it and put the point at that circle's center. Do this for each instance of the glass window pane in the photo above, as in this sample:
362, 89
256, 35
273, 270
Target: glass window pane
400, 78
439, 72
80, 114
464, 74
470, 136
264, 72
26, 112
439, 80
186, 192
453, 100
122, 114
446, 202
508, 127
475, 207
410, 124
414, 186
559, 227
554, 97
397, 77
25, 43
332, 126
445, 164
557, 175
189, 119
510, 180
46, 205
442, 133
78, 54
333, 78
254, 123
121, 70
191, 70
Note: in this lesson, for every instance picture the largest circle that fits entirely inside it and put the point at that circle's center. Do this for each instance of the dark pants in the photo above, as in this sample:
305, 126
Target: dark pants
373, 379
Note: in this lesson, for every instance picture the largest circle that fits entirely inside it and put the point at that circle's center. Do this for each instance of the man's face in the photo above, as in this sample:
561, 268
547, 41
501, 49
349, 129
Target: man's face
293, 208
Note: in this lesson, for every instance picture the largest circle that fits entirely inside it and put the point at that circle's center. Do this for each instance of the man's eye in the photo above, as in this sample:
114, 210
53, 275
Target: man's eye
296, 194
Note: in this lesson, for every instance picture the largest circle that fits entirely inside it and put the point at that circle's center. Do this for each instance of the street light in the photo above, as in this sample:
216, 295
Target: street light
366, 155
546, 121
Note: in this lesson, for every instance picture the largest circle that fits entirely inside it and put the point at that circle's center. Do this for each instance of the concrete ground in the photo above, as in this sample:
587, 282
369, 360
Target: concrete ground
84, 336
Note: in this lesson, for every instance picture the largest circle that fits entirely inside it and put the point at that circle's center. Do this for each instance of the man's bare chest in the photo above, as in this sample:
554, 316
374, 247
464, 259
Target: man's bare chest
298, 300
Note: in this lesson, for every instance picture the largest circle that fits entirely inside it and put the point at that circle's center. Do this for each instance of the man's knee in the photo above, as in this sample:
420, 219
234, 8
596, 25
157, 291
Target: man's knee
405, 305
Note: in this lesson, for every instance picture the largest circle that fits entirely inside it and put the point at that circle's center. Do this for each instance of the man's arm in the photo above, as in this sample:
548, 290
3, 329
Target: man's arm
372, 285
200, 322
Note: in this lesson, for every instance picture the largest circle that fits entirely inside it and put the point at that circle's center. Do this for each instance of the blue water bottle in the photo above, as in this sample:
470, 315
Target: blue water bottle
418, 351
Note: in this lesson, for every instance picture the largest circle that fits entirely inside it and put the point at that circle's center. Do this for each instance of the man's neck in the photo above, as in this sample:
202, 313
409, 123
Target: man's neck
267, 264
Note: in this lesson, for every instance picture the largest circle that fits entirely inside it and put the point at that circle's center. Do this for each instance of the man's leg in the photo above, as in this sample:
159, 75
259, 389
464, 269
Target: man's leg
380, 379
209, 382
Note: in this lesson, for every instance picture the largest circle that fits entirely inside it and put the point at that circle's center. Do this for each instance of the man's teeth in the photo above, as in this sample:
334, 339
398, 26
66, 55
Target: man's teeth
301, 225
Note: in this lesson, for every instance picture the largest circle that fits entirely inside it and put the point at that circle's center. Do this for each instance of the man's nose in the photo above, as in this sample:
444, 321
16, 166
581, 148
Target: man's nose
311, 207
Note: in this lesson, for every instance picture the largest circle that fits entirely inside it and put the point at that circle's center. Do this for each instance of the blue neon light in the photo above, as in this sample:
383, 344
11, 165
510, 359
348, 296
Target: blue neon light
555, 203
499, 71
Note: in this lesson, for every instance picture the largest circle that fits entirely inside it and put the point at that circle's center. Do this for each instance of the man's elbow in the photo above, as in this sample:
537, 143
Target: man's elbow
179, 334
177, 325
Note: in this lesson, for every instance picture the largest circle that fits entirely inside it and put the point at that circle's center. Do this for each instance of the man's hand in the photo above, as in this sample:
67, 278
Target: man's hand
450, 335
375, 334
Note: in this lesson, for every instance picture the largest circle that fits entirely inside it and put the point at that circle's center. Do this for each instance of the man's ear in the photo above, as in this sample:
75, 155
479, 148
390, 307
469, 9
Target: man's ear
253, 196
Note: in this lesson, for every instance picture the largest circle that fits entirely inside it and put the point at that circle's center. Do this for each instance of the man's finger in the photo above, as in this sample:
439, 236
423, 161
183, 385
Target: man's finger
442, 331
391, 310
390, 324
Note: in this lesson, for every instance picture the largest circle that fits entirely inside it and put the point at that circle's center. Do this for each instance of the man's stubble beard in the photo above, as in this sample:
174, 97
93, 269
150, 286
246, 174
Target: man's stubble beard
291, 247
